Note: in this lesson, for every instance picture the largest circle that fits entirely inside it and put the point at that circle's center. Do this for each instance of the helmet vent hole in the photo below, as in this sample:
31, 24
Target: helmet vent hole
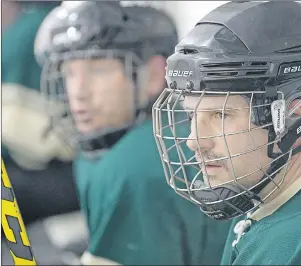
189, 51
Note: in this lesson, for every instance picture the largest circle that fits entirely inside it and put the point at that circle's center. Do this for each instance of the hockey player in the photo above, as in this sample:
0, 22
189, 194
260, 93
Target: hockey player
237, 75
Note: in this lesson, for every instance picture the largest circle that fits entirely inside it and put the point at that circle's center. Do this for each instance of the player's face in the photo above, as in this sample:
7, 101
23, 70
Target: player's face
99, 93
244, 146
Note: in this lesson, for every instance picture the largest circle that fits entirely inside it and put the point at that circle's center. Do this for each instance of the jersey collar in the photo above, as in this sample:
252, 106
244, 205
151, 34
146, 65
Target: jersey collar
270, 207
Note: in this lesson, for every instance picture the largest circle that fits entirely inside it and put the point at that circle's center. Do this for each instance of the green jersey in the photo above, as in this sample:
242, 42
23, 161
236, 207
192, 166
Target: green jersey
18, 60
134, 217
273, 240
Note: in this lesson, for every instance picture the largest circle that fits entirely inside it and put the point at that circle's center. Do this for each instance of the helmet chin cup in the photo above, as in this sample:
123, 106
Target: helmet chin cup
224, 202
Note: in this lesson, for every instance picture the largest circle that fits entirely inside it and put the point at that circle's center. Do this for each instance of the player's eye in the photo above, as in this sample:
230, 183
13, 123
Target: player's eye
220, 115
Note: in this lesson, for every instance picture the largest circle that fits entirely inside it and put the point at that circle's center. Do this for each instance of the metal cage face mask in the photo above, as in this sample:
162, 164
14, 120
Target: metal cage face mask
233, 151
53, 87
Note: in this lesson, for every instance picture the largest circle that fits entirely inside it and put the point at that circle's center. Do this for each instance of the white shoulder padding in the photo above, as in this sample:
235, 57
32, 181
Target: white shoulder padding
24, 122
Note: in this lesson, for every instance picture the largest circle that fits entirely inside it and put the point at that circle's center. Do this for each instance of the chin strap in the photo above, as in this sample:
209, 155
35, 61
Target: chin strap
100, 143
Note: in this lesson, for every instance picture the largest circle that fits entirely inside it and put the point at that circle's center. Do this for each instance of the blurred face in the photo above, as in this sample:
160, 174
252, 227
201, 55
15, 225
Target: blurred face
99, 93
244, 147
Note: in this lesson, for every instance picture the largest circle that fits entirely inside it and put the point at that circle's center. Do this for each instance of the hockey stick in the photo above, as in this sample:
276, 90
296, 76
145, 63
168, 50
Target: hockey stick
13, 225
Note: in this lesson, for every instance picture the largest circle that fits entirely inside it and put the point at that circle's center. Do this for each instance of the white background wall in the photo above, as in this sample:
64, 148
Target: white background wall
184, 13
187, 13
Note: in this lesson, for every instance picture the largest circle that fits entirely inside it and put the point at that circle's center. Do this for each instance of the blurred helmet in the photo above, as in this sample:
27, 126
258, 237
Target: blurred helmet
101, 29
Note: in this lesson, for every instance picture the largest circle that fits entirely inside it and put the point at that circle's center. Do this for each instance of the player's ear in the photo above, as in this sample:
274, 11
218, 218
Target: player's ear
156, 75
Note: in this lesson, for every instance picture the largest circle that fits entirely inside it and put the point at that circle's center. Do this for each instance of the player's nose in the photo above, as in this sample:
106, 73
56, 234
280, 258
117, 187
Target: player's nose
200, 138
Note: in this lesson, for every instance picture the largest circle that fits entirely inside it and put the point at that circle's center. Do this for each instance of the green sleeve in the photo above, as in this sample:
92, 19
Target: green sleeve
205, 237
24, 70
147, 222
129, 227
18, 60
